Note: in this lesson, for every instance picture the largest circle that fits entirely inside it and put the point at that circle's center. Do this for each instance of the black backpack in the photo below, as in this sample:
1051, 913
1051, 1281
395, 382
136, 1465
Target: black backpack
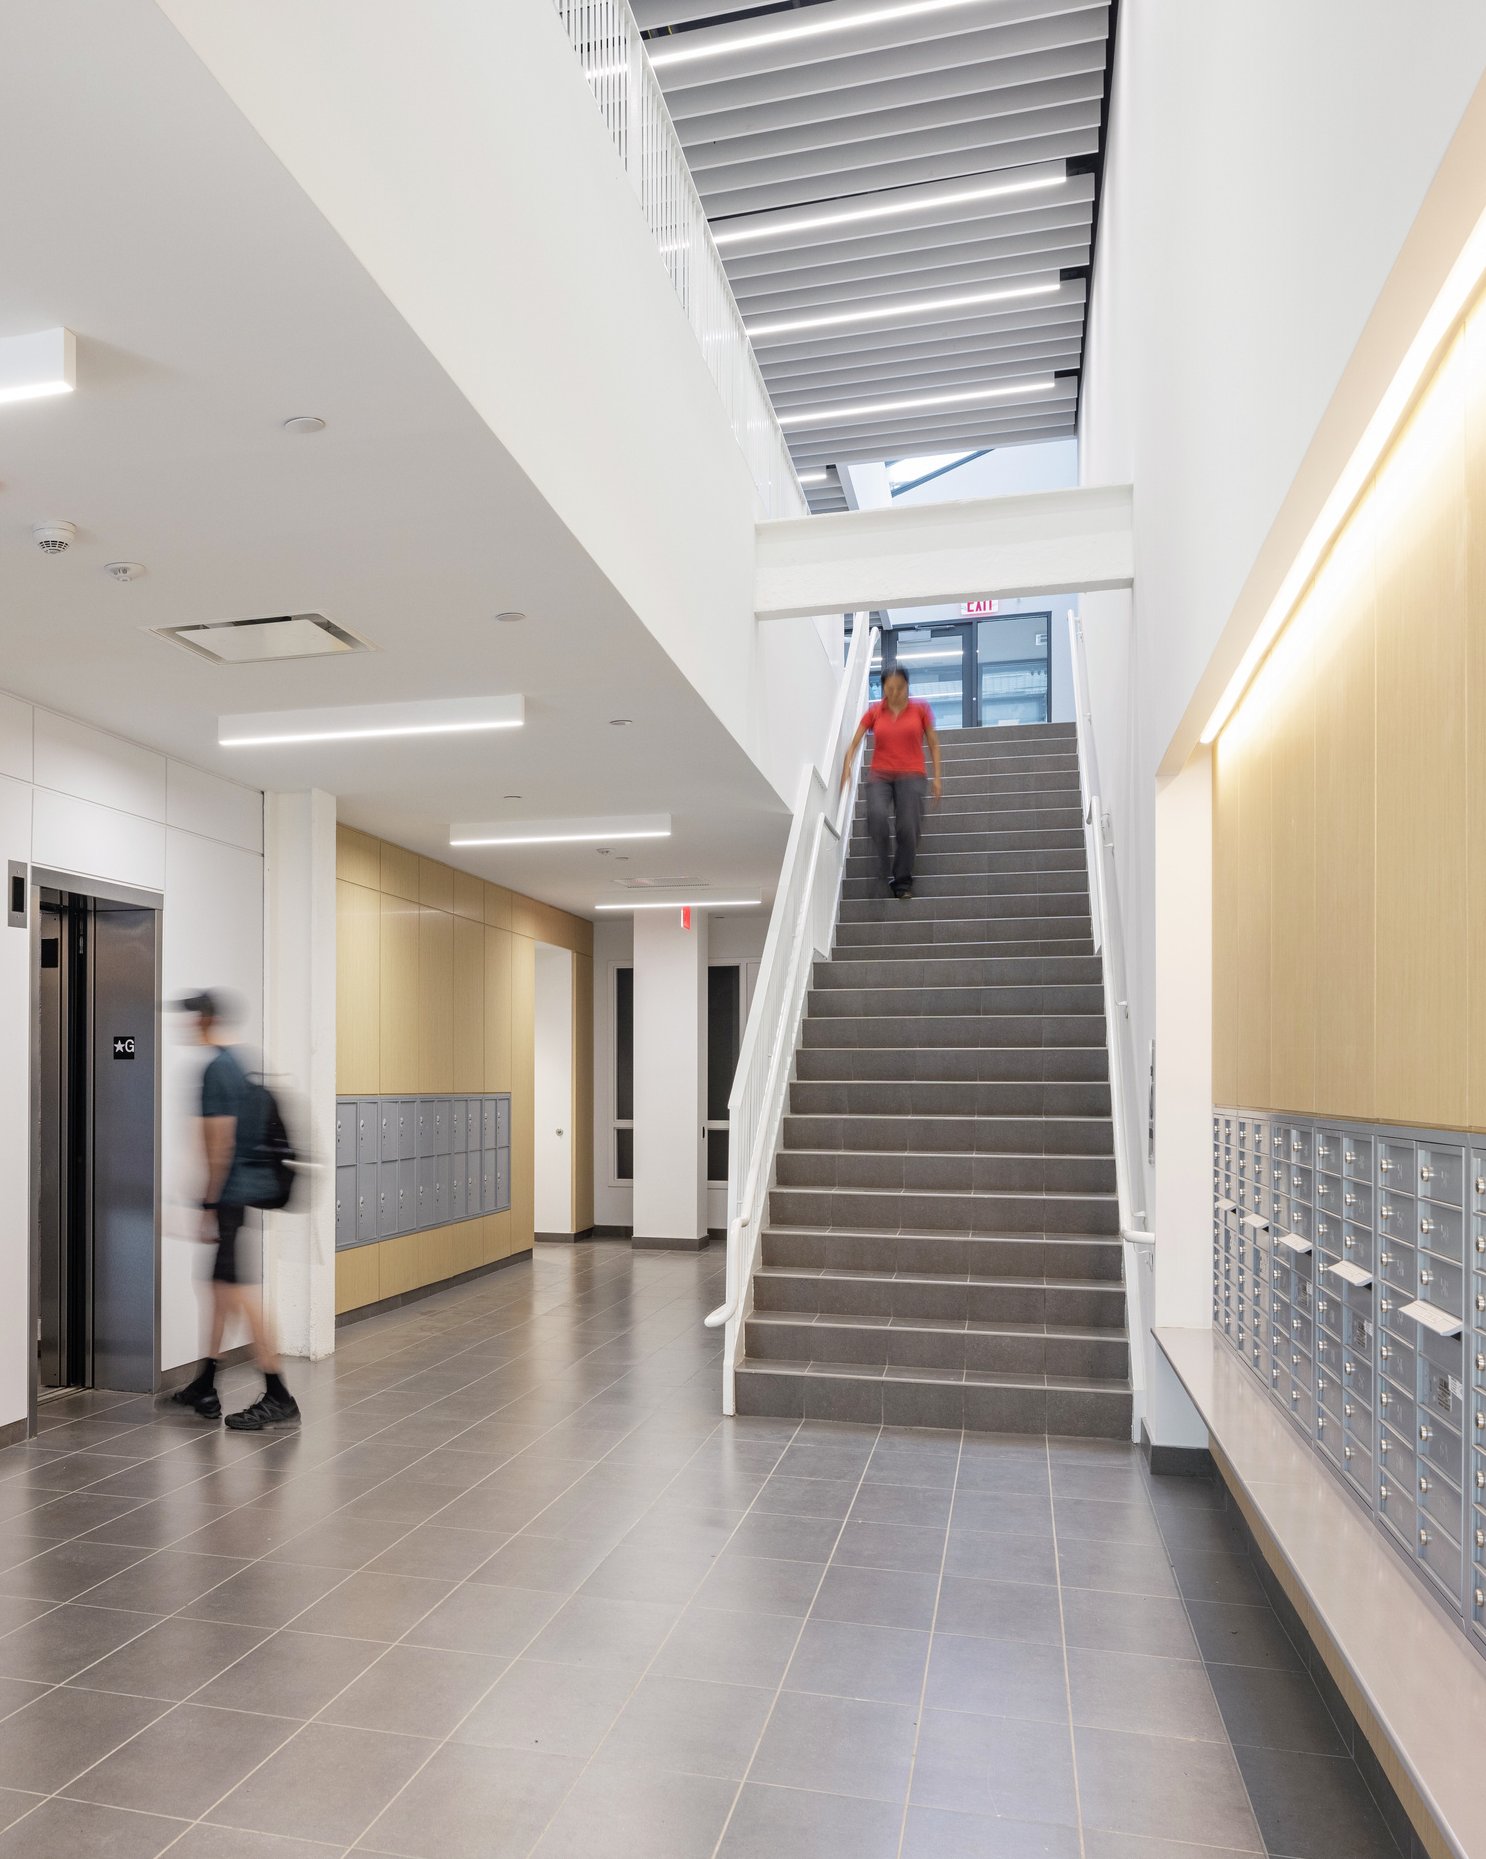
273, 1158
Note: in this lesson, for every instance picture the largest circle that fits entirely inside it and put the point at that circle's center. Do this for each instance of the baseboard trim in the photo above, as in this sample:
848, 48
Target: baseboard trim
420, 1292
169, 1379
14, 1432
610, 1232
672, 1245
559, 1239
1177, 1461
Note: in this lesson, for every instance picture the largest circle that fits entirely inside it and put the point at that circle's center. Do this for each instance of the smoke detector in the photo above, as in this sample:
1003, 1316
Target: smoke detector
124, 571
54, 538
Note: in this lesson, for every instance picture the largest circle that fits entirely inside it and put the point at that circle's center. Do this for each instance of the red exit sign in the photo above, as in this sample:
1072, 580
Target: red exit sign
973, 609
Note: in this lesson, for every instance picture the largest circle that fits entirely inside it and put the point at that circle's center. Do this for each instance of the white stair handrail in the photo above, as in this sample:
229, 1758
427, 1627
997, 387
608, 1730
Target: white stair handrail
1130, 1179
800, 929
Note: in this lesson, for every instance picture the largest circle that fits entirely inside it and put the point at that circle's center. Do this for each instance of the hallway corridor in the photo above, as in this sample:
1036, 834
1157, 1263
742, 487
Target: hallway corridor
515, 1589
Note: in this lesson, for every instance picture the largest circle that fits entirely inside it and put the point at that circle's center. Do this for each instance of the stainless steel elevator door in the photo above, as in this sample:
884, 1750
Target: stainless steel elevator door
123, 1039
61, 1340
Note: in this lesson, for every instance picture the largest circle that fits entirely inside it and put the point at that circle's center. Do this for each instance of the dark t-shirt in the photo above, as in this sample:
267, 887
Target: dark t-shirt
225, 1093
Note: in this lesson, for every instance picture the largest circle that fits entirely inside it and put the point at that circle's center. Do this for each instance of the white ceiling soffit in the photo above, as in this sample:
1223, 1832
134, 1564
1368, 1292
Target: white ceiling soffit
890, 183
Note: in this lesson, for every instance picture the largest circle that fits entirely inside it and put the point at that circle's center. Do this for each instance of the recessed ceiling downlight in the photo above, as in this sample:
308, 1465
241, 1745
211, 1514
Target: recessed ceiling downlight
304, 423
510, 617
620, 722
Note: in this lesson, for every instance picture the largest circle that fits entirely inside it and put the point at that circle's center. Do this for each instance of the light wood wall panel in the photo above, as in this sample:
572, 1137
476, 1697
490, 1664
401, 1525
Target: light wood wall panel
1349, 828
436, 991
358, 1010
1292, 895
358, 858
1226, 801
435, 1000
469, 1005
1474, 398
399, 994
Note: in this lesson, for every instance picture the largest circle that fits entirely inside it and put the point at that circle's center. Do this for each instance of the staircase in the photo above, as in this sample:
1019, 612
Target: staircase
942, 1243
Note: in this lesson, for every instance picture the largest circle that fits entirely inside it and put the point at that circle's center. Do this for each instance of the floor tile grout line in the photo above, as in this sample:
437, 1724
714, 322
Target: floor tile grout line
1263, 1847
923, 1690
1078, 1801
446, 1740
795, 1645
56, 1794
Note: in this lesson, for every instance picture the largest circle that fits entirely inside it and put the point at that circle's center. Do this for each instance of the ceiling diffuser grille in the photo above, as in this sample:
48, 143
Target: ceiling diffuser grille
255, 642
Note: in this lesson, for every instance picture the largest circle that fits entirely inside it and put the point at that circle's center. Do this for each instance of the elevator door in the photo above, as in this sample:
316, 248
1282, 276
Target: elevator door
97, 1218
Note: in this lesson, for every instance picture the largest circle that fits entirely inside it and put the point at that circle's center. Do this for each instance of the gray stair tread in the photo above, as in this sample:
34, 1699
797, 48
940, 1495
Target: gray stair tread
1053, 1234
986, 1155
971, 1377
843, 1320
834, 1275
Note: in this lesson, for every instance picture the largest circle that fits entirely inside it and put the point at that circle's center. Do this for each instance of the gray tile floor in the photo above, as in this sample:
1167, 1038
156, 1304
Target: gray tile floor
514, 1589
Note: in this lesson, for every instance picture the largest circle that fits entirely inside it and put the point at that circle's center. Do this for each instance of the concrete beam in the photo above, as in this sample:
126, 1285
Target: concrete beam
1045, 542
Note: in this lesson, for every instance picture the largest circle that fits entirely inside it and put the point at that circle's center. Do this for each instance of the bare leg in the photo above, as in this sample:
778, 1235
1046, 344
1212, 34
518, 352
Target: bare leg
221, 1306
265, 1354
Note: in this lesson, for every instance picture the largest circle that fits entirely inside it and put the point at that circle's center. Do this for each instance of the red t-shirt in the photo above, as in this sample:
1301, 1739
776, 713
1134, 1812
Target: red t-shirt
898, 741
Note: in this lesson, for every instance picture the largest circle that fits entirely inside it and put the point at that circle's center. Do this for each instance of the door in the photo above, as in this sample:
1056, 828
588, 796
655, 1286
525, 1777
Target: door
1012, 669
97, 1213
940, 662
553, 1187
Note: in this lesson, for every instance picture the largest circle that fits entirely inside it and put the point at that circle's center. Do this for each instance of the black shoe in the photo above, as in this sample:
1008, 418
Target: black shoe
266, 1411
902, 892
202, 1397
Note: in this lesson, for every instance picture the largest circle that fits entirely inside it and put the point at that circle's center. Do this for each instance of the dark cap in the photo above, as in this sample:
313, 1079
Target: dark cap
204, 1004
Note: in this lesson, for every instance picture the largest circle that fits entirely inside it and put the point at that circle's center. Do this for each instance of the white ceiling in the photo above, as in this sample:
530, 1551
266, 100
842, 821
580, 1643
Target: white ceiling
211, 302
922, 106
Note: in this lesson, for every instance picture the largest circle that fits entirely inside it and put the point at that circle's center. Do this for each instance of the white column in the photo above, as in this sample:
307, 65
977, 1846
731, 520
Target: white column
553, 1094
670, 1196
299, 1046
1184, 1083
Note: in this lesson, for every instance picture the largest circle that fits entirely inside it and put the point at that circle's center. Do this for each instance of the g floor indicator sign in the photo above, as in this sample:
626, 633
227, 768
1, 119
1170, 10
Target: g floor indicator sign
123, 1045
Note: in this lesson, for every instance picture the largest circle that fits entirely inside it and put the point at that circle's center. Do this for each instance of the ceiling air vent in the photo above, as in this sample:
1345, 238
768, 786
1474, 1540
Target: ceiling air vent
253, 642
663, 884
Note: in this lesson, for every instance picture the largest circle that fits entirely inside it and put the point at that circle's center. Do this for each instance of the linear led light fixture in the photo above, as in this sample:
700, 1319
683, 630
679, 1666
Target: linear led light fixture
913, 306
826, 416
891, 209
37, 366
429, 716
686, 903
1444, 313
561, 832
813, 477
810, 29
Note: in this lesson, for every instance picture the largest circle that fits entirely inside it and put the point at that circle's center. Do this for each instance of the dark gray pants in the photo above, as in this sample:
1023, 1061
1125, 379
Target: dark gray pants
903, 795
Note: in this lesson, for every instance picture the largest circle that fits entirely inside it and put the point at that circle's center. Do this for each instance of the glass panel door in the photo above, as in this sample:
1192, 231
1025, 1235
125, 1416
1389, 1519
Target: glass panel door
1012, 669
939, 662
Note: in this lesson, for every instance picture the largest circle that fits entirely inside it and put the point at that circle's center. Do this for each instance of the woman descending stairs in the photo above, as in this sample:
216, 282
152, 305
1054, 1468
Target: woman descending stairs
942, 1243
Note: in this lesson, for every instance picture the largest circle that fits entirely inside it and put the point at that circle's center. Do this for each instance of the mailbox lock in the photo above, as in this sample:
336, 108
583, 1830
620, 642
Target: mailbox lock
1425, 1172
1481, 1362
1426, 1433
1383, 1493
1350, 1155
1423, 1484
1385, 1352
1481, 1184
1346, 1452
1424, 1539
1348, 1409
1481, 1597
1425, 1278
1426, 1226
1385, 1165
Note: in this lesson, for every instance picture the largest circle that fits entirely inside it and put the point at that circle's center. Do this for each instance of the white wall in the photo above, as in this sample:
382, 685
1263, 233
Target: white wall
1265, 164
87, 803
670, 1192
553, 1096
731, 938
459, 153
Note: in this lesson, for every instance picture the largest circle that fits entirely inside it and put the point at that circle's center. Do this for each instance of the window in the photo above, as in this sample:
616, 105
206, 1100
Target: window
624, 1074
724, 1037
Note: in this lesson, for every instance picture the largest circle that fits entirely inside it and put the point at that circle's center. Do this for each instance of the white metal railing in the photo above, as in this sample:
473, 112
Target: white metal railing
800, 929
1130, 1176
607, 39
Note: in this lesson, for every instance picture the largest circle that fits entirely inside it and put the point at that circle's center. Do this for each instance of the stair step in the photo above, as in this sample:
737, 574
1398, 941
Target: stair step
989, 1000
963, 1254
929, 1030
1028, 1211
924, 1343
1051, 893
914, 1397
1096, 1304
1004, 823
951, 1172
954, 1064
1002, 1097
956, 1133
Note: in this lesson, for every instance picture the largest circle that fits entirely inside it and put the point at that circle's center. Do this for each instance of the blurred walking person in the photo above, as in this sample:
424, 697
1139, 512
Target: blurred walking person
235, 1116
901, 729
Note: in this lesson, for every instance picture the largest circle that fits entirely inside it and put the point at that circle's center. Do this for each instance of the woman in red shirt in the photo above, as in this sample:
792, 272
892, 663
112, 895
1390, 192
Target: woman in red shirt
900, 731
